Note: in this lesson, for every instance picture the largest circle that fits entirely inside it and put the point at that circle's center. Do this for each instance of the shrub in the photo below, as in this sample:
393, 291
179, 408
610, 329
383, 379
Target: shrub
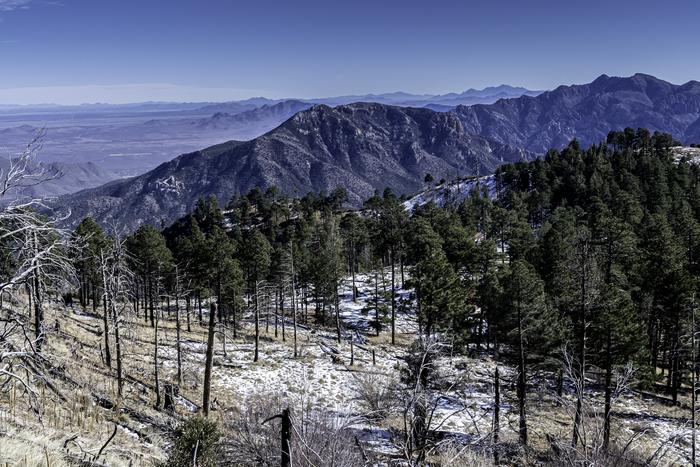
197, 440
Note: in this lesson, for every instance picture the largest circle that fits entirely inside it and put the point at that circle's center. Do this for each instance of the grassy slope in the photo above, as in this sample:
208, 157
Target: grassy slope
68, 429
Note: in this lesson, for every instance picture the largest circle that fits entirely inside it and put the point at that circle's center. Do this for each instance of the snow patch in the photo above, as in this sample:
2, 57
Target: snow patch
453, 192
170, 185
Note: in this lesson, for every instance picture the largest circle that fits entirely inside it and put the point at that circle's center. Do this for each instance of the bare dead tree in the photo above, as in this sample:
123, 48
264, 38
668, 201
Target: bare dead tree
156, 342
288, 294
25, 171
206, 396
587, 409
294, 295
419, 409
377, 393
36, 252
588, 277
103, 275
262, 300
182, 288
118, 281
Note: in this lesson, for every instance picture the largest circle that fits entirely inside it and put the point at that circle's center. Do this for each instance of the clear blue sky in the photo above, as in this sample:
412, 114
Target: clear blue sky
71, 51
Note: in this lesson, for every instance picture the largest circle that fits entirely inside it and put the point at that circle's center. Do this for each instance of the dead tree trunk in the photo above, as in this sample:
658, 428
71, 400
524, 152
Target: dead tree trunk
337, 311
118, 345
151, 306
521, 381
233, 314
608, 391
393, 300
146, 293
256, 312
155, 358
108, 353
294, 297
286, 433
693, 392
378, 323
177, 339
267, 313
583, 322
581, 384
284, 337
352, 271
209, 361
277, 304
188, 309
496, 413
38, 313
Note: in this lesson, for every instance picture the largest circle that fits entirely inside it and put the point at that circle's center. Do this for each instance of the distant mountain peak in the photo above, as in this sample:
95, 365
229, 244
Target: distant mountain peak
588, 112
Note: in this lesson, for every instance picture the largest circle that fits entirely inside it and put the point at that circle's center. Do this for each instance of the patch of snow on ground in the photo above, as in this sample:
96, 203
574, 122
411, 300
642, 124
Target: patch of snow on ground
689, 154
452, 192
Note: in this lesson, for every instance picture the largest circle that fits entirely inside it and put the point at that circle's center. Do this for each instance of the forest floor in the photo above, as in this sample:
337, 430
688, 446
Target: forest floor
78, 417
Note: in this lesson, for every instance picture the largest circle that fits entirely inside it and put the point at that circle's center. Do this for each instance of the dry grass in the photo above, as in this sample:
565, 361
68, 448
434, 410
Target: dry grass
27, 439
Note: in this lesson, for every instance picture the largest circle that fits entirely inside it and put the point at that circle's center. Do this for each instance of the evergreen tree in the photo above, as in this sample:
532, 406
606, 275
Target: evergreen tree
531, 325
438, 290
92, 239
257, 261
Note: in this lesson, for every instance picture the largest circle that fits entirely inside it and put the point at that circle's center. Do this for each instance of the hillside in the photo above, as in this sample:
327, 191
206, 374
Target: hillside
360, 147
588, 112
250, 123
512, 323
59, 178
134, 142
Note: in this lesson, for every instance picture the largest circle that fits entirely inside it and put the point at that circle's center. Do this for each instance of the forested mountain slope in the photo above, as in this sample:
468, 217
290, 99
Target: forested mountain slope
550, 323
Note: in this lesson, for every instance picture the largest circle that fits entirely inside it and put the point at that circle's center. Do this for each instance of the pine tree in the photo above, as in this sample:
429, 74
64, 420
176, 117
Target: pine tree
438, 289
531, 326
152, 260
257, 263
92, 240
94, 245
389, 220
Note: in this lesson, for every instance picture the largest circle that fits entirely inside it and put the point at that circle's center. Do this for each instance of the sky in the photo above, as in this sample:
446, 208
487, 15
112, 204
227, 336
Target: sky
118, 51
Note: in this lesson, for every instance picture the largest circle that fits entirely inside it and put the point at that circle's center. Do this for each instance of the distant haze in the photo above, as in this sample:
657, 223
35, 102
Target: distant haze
117, 94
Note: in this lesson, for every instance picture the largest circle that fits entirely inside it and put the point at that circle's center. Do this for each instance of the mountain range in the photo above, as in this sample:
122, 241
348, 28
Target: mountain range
445, 101
362, 147
470, 96
368, 146
588, 112
130, 139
